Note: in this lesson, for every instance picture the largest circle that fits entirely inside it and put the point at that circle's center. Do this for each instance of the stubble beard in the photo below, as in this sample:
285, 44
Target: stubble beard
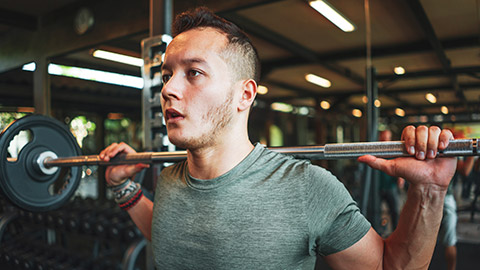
217, 120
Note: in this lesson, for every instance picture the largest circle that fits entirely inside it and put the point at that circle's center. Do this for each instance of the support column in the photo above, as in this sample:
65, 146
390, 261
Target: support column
100, 145
41, 87
370, 198
372, 111
161, 17
161, 14
320, 129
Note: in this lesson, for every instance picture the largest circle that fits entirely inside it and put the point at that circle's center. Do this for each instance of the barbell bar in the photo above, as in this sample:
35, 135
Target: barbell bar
46, 172
385, 149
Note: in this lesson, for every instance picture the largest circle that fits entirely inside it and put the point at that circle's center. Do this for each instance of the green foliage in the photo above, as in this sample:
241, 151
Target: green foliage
7, 117
123, 130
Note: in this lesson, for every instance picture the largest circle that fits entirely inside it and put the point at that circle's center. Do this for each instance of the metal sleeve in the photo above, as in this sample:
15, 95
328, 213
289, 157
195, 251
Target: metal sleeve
462, 147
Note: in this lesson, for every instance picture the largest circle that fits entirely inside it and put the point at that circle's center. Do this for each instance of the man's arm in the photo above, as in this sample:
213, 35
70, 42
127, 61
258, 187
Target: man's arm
141, 213
411, 245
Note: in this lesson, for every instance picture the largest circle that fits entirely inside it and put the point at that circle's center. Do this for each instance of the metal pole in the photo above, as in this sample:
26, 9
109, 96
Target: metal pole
461, 147
161, 17
372, 135
368, 171
41, 87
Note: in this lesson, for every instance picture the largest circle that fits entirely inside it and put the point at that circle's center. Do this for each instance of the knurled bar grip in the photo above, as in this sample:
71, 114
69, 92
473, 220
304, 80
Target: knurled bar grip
391, 149
462, 147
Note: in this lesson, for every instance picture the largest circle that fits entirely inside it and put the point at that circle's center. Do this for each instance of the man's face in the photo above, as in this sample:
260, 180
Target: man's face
197, 95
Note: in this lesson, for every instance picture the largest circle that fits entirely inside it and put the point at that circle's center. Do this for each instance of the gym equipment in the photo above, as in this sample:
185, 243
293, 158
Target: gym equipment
30, 185
46, 172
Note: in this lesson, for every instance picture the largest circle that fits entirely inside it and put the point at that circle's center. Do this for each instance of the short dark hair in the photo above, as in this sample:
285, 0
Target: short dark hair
245, 61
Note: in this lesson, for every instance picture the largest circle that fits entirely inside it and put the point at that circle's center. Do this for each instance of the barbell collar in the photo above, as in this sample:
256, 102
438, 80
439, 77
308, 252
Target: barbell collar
390, 149
41, 161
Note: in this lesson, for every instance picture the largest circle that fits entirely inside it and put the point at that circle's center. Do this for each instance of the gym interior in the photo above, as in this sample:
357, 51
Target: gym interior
90, 71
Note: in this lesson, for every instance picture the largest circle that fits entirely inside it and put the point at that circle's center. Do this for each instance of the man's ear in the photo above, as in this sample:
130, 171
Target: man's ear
249, 91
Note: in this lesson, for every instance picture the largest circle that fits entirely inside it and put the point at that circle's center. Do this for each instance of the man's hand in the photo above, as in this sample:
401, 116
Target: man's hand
116, 175
424, 169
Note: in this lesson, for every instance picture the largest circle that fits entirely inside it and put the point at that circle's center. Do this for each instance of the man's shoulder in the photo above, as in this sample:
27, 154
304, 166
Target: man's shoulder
173, 169
290, 165
271, 158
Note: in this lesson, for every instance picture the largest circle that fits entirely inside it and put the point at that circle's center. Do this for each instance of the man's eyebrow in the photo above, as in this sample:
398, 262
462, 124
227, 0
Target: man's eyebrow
166, 66
194, 60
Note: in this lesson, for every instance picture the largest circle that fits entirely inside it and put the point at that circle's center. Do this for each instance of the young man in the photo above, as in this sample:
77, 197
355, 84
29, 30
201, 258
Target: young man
235, 205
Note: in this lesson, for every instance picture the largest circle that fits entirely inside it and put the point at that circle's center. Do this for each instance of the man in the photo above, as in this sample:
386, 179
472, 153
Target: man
235, 205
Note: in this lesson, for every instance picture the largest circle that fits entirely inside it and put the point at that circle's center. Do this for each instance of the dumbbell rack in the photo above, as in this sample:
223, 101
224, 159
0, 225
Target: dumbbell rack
83, 234
155, 137
155, 132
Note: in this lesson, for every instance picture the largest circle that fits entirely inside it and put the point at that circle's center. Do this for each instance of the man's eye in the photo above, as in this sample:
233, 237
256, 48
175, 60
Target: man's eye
165, 78
193, 73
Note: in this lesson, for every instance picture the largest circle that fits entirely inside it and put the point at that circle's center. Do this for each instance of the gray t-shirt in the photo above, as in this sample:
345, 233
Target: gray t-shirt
269, 212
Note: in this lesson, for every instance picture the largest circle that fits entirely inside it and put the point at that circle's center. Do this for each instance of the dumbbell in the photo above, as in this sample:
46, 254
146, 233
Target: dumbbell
131, 231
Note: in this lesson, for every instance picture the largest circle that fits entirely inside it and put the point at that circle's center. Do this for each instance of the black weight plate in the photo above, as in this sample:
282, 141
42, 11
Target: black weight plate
21, 182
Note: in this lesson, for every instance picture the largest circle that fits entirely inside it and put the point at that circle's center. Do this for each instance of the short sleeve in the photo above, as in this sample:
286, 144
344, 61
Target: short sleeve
335, 221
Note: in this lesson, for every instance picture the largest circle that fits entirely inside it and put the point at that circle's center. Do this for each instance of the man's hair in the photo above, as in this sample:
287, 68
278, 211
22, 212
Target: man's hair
239, 54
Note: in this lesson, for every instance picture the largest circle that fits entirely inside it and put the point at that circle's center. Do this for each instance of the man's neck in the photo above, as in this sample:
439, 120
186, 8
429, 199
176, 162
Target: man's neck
214, 161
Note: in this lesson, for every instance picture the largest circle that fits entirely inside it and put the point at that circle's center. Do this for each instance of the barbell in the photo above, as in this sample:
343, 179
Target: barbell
46, 172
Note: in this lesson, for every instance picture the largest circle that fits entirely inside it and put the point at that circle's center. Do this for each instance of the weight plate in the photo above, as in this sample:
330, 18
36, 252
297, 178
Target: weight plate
22, 181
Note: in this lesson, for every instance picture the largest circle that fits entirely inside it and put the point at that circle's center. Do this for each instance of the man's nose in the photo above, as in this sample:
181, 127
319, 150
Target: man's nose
173, 88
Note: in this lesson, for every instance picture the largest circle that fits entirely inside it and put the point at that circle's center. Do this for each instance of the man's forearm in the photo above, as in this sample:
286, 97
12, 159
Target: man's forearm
141, 215
411, 245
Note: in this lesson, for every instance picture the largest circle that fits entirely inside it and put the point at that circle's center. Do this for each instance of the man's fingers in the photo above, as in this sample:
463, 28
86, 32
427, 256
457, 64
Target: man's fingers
114, 149
376, 163
444, 138
432, 144
104, 155
408, 136
141, 166
109, 152
421, 140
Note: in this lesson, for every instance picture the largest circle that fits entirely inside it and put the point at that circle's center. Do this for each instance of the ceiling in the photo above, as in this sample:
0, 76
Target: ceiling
436, 41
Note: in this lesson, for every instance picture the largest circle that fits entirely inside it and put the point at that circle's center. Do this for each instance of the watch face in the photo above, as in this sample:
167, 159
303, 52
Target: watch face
83, 21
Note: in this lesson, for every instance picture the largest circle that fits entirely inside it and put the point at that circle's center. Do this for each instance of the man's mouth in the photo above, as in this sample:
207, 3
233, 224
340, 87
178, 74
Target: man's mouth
171, 114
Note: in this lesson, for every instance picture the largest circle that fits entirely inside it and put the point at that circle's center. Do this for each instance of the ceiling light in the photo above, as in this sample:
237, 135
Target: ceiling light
281, 107
262, 90
303, 111
318, 80
325, 105
30, 66
444, 110
399, 70
431, 98
333, 15
400, 112
377, 103
91, 75
357, 113
116, 57
365, 99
